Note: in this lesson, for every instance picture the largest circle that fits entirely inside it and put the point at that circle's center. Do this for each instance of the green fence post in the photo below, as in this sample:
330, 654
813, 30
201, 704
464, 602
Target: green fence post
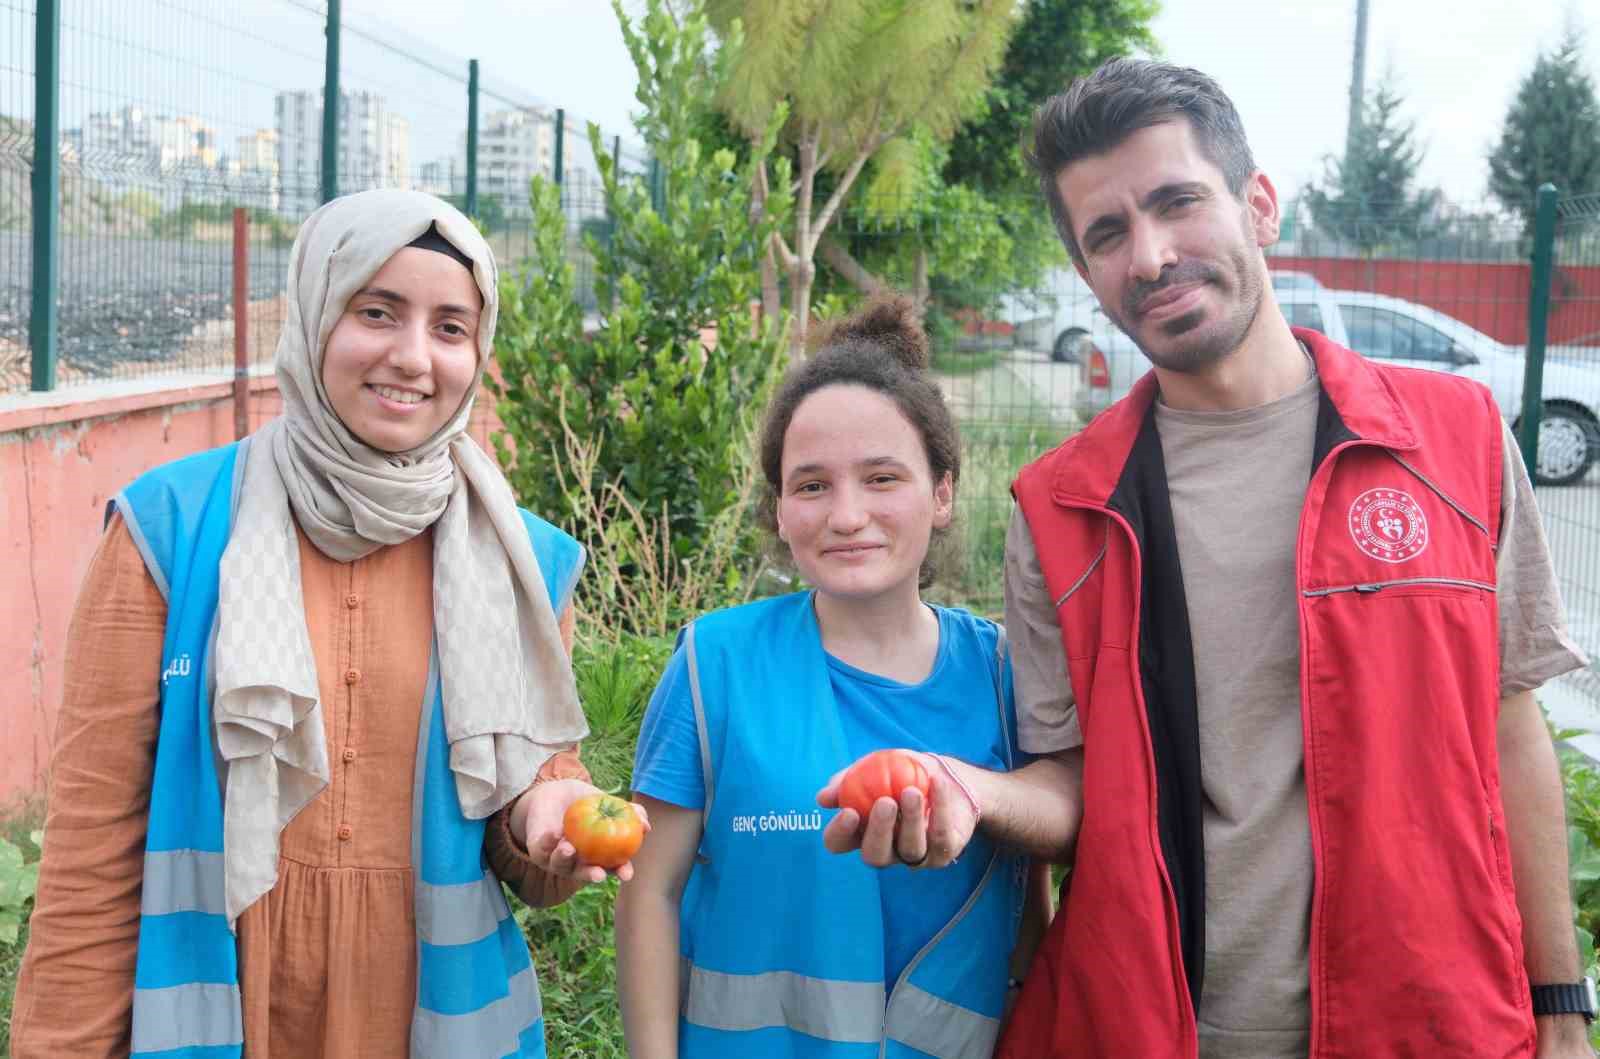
330, 108
472, 138
46, 193
561, 135
1544, 237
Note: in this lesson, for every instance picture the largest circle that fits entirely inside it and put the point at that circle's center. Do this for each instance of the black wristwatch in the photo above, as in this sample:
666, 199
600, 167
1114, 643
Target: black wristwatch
1569, 998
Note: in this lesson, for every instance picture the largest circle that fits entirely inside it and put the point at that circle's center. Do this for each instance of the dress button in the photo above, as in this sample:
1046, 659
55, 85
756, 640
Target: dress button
349, 753
352, 676
345, 831
352, 601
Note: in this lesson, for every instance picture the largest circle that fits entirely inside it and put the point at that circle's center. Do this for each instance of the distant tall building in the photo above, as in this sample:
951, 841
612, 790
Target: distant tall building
397, 152
254, 169
258, 151
443, 176
172, 158
513, 145
374, 147
134, 138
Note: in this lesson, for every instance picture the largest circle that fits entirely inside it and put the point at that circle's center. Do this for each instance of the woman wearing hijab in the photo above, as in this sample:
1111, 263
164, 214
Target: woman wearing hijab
318, 703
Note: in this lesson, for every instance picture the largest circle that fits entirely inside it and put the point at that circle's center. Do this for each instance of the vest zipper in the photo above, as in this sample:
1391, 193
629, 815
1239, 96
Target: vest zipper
1189, 1029
905, 975
1371, 587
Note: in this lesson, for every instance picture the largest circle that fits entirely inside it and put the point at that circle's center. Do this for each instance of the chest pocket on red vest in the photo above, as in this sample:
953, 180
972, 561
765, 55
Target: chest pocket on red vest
1383, 529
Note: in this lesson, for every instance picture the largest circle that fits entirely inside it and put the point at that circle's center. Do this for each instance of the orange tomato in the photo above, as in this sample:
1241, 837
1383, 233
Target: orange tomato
882, 774
604, 830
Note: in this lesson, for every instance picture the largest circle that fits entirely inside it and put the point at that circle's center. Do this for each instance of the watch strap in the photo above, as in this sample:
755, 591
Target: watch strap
1567, 998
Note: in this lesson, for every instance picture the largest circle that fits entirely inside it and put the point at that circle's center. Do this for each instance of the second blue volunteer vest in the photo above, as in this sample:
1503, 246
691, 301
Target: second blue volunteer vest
782, 942
477, 992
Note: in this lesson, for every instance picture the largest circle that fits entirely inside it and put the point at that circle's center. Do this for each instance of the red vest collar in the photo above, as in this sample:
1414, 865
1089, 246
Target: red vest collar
1089, 465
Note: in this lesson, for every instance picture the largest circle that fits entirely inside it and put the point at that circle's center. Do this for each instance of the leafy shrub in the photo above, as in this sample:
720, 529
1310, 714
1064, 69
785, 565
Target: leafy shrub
661, 392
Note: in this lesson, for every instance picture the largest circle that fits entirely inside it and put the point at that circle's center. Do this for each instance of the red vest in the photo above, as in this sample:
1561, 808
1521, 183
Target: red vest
1415, 943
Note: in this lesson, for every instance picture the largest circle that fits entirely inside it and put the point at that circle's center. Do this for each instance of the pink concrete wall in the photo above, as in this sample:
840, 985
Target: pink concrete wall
58, 467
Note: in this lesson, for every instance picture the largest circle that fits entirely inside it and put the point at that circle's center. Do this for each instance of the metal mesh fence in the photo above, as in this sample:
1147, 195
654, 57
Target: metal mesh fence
177, 111
1569, 434
16, 175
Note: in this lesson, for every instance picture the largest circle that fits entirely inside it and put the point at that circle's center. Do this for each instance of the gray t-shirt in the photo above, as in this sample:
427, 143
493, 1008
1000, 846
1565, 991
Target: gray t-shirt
1237, 482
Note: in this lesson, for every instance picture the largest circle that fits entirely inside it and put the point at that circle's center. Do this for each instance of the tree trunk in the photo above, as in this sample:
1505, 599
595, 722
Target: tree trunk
771, 295
800, 307
920, 293
854, 272
801, 270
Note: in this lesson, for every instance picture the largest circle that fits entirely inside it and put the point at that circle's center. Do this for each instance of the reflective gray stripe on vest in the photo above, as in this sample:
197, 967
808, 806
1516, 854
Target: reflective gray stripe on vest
847, 1012
925, 1022
459, 914
182, 880
198, 1015
492, 1030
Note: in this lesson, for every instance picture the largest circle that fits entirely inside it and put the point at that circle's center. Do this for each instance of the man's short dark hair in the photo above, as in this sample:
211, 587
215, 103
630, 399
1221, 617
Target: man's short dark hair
1096, 113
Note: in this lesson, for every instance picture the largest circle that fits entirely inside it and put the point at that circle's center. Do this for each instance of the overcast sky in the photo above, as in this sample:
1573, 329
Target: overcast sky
1286, 65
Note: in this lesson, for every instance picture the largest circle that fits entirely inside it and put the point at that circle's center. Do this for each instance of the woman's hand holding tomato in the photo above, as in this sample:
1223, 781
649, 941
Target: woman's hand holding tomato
575, 836
914, 813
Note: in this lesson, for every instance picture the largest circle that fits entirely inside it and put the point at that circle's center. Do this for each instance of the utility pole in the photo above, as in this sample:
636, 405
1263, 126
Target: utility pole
1358, 77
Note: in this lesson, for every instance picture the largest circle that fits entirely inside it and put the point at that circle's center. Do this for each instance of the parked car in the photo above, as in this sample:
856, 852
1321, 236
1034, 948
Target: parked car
1397, 331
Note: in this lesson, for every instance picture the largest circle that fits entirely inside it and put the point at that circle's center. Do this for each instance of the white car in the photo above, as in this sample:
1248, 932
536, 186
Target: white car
1397, 331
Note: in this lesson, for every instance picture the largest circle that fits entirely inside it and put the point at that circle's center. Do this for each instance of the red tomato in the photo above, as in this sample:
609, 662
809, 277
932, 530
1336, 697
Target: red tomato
882, 774
603, 829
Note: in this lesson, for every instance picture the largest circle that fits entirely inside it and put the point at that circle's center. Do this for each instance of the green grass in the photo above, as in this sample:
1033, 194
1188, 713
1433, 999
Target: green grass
575, 953
573, 944
1004, 425
10, 964
1581, 779
17, 823
965, 362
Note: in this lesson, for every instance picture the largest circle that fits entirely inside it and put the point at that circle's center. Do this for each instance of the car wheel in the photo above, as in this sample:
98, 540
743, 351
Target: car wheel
1065, 350
1568, 438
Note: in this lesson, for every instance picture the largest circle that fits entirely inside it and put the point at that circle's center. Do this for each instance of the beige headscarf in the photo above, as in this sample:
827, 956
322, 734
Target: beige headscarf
509, 699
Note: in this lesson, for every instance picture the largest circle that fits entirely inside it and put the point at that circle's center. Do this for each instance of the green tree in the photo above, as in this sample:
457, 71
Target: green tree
1369, 197
1055, 42
854, 76
963, 223
1551, 131
664, 412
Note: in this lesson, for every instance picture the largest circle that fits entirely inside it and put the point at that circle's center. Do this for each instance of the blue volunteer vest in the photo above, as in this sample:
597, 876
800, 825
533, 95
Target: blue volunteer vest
782, 942
477, 992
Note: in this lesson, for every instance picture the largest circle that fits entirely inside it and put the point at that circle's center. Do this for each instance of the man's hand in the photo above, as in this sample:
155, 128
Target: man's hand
905, 833
536, 823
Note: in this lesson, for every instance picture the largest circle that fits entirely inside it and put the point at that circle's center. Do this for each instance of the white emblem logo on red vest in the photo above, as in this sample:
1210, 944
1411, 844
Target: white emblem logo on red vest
1388, 525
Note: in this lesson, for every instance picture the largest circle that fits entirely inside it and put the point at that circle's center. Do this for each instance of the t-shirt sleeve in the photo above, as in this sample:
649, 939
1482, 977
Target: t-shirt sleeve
1535, 645
1047, 714
666, 762
1008, 690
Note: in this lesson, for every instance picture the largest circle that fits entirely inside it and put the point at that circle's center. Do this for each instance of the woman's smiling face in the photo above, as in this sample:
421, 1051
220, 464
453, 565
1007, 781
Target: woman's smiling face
858, 503
404, 353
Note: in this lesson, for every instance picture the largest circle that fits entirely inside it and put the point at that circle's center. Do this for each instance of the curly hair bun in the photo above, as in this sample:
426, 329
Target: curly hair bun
889, 322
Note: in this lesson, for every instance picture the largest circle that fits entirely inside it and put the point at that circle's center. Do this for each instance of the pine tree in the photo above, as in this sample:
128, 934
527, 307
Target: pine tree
1368, 197
1551, 131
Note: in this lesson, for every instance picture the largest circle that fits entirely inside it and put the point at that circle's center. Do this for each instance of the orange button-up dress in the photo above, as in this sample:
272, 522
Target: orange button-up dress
327, 959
